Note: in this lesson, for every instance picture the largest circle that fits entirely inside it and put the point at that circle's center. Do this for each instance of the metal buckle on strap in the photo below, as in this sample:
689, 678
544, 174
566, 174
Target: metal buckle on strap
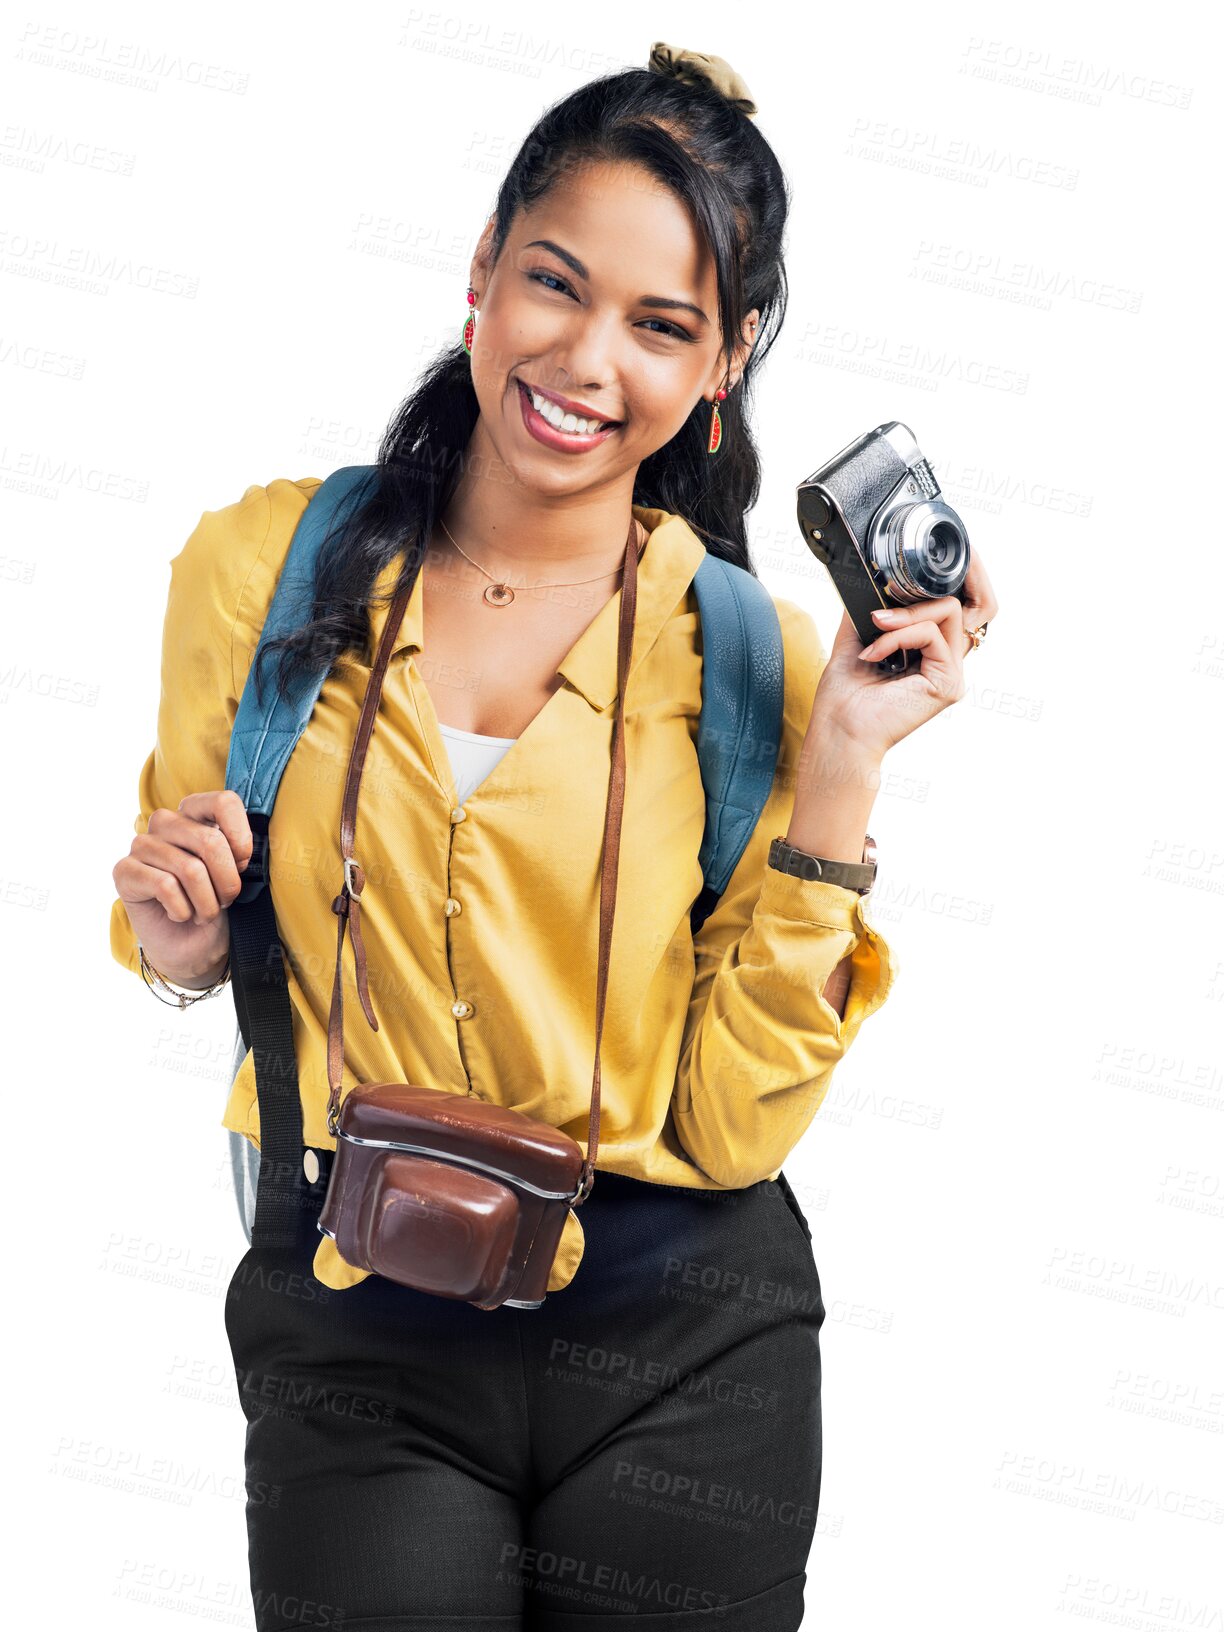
585, 1185
349, 863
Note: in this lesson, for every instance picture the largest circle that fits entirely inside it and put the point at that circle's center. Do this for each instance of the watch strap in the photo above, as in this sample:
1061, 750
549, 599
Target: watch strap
851, 875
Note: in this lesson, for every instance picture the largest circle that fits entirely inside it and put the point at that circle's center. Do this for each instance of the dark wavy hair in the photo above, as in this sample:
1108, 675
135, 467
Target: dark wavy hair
715, 160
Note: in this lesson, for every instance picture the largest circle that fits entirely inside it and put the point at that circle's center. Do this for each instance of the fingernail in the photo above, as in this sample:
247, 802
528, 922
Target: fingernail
868, 651
883, 613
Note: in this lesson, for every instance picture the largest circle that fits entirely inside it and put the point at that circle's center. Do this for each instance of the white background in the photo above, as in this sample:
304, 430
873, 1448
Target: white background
231, 237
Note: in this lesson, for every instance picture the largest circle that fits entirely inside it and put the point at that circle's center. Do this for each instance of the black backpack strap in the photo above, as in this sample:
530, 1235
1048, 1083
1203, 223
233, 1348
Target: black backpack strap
287, 1204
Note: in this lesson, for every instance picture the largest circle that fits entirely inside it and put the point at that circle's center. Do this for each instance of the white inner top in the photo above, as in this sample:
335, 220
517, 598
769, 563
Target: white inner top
472, 736
472, 756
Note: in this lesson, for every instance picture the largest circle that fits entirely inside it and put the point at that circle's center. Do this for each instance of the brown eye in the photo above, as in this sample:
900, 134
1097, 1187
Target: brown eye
669, 328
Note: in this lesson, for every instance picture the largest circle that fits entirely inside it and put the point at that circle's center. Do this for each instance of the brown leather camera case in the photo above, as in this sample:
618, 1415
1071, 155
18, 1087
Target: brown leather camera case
464, 1231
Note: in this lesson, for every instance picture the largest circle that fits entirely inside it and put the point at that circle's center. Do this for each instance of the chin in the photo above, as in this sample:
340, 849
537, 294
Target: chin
538, 476
550, 473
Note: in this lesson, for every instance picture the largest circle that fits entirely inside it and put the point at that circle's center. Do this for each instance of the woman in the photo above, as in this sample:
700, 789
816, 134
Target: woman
647, 1441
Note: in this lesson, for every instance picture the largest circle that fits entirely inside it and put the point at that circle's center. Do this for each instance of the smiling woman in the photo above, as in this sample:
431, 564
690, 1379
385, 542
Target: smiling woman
624, 291
570, 348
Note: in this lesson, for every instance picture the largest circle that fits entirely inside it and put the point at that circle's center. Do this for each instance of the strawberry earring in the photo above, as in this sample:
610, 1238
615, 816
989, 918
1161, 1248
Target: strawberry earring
715, 441
469, 328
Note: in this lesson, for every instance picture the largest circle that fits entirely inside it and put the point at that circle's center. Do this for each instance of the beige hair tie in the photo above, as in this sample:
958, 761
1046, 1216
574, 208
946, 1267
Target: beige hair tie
698, 68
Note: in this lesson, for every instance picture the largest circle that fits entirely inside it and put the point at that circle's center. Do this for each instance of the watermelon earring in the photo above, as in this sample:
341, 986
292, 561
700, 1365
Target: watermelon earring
469, 328
716, 424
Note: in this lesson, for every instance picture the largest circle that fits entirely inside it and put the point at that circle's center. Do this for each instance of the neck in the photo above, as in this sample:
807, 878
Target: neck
509, 527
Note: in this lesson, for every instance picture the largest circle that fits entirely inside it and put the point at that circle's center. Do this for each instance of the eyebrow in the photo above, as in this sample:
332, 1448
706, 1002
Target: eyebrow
575, 265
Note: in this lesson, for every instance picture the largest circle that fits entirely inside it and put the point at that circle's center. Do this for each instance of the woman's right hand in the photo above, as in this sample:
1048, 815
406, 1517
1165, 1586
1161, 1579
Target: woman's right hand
178, 881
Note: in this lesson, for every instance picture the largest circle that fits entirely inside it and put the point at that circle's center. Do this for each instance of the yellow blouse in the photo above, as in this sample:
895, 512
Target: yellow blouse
481, 920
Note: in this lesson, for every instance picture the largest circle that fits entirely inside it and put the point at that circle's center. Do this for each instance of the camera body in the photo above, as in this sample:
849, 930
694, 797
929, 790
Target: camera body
874, 516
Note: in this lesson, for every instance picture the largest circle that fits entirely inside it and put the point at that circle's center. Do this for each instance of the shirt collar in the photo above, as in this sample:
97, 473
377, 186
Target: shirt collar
668, 563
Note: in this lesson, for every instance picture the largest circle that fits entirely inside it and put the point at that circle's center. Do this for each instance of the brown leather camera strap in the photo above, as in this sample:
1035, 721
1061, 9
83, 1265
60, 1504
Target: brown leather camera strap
347, 905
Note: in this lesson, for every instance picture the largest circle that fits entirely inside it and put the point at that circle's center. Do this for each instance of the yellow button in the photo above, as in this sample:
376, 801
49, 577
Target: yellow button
461, 1008
458, 814
453, 906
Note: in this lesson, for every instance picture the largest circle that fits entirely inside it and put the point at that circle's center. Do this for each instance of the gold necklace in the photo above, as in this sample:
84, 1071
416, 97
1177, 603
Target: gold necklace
500, 594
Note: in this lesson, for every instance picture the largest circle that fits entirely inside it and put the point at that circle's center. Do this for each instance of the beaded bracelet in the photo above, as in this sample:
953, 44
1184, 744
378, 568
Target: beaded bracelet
178, 999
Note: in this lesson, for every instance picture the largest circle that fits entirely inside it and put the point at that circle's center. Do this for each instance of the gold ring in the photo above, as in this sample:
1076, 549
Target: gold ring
976, 637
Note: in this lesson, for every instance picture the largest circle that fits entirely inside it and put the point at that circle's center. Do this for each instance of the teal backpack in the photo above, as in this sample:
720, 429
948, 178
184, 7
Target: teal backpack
738, 737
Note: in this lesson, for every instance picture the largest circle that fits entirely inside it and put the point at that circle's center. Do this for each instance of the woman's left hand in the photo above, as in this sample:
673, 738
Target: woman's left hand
874, 710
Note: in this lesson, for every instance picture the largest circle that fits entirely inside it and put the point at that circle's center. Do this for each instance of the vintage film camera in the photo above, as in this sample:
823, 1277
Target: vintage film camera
874, 516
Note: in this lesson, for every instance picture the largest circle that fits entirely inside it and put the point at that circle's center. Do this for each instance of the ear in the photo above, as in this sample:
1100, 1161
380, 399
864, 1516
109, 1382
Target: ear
730, 378
482, 258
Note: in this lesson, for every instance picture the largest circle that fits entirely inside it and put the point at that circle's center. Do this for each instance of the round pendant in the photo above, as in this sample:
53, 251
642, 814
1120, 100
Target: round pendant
499, 594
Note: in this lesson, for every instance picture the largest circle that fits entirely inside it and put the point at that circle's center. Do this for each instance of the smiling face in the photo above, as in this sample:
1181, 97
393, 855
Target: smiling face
604, 301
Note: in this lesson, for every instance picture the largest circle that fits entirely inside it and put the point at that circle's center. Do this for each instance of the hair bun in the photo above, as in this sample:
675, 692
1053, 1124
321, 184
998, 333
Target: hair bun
699, 68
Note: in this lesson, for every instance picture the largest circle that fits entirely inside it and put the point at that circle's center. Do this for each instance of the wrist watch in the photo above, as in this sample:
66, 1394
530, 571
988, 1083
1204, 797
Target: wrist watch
851, 875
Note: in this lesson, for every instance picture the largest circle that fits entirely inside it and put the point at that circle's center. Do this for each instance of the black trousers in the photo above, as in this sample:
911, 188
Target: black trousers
647, 1443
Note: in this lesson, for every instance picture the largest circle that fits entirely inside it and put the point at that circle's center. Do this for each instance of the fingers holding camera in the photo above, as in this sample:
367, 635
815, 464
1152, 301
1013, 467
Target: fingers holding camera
980, 604
936, 629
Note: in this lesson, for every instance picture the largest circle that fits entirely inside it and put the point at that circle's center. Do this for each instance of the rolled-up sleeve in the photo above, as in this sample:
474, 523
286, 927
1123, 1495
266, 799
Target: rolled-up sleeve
761, 1040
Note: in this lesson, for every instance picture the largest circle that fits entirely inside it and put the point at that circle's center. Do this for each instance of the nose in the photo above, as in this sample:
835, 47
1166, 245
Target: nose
584, 363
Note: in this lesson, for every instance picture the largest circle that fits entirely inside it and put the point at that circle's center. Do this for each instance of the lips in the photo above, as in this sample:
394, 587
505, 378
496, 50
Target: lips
580, 413
550, 437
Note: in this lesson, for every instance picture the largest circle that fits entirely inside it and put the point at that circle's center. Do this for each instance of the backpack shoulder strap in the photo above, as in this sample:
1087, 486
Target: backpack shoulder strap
263, 736
266, 732
739, 733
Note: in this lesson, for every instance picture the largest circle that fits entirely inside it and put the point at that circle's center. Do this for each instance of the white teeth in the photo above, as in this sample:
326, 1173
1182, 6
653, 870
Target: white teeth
560, 420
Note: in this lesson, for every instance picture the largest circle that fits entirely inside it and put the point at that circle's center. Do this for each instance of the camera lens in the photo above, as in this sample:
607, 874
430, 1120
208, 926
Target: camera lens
921, 551
943, 545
